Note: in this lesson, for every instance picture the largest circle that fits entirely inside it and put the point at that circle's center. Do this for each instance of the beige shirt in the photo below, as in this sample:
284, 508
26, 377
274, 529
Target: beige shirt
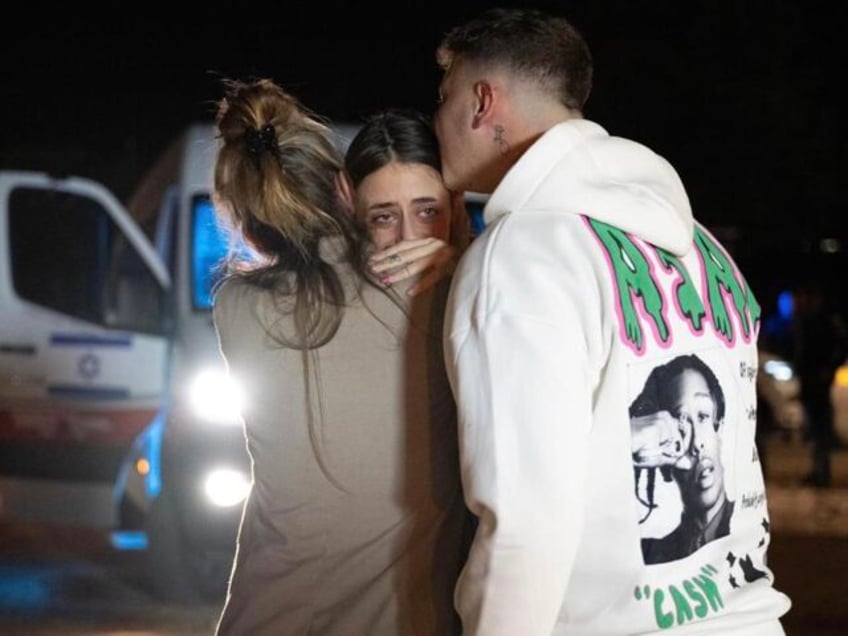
366, 540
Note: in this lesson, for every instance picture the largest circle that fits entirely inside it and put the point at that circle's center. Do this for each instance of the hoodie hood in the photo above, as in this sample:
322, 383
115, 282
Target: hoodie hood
611, 179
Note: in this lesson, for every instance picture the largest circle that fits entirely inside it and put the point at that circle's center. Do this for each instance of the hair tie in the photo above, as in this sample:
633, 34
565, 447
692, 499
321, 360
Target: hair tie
262, 140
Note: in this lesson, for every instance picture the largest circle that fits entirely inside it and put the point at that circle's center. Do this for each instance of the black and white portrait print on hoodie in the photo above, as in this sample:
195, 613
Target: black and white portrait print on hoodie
679, 428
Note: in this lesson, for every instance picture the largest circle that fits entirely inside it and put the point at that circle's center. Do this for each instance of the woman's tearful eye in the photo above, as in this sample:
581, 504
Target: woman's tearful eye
429, 213
382, 219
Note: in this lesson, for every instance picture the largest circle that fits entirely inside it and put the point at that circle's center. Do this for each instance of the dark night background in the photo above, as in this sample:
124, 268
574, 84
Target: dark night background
744, 98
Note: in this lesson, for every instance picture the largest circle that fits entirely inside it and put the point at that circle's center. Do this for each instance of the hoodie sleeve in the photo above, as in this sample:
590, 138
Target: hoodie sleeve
525, 410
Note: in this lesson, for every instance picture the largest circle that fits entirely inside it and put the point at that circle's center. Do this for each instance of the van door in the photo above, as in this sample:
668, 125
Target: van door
84, 324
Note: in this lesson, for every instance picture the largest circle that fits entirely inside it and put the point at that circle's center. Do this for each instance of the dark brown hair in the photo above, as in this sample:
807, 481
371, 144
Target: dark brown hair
394, 134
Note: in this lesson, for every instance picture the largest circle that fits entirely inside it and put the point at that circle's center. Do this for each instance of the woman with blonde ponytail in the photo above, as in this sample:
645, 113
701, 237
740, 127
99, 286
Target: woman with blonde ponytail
354, 524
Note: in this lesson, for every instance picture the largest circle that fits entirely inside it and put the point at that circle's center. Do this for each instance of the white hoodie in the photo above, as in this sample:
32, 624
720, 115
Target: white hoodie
590, 274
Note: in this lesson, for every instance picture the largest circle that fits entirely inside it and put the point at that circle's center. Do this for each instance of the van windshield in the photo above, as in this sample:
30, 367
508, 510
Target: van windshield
210, 244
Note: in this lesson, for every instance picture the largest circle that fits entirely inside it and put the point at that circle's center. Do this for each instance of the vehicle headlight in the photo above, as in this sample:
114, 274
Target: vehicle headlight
216, 397
225, 487
780, 370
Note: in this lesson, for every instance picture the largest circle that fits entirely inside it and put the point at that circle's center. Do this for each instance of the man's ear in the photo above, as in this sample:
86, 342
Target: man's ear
483, 102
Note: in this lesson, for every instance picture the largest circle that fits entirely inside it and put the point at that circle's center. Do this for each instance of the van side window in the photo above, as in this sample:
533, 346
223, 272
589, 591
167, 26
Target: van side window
208, 248
68, 255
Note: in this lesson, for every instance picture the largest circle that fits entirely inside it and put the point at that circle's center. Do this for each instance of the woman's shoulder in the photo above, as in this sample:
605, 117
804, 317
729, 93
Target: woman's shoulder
236, 299
231, 292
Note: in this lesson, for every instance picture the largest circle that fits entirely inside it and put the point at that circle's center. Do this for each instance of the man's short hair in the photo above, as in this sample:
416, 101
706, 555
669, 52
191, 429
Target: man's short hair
537, 46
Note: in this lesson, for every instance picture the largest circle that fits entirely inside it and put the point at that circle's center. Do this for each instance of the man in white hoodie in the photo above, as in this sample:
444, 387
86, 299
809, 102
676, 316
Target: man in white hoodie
591, 273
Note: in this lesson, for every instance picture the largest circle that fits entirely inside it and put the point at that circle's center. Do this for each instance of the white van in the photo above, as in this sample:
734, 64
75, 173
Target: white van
84, 338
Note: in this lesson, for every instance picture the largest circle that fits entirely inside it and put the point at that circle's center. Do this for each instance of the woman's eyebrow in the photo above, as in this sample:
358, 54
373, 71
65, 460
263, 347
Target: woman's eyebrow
384, 205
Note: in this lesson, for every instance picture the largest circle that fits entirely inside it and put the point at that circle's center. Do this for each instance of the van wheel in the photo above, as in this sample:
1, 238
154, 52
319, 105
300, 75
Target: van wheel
177, 571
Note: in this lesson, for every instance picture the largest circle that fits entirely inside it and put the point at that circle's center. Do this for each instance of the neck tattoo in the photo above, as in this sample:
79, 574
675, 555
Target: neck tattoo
499, 139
